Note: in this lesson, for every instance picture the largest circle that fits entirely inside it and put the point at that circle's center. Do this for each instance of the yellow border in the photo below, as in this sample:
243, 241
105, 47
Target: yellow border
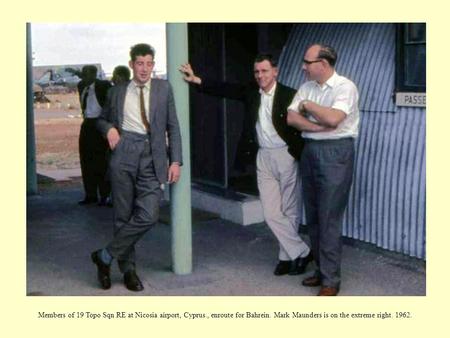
19, 313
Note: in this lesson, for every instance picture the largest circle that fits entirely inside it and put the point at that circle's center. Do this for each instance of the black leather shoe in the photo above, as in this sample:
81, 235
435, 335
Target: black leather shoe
87, 201
299, 265
102, 271
132, 281
282, 268
103, 202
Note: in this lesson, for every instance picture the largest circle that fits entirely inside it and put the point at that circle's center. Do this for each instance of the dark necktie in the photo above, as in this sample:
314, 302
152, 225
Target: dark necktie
84, 101
142, 104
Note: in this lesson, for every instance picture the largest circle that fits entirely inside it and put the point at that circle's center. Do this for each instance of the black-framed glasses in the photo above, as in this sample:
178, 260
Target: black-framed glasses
307, 62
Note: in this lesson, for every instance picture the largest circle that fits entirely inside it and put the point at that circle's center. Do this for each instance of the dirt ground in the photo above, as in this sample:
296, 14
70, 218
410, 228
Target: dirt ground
57, 126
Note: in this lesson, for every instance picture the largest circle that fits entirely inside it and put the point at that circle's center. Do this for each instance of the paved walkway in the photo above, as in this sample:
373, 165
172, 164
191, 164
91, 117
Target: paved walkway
228, 259
59, 175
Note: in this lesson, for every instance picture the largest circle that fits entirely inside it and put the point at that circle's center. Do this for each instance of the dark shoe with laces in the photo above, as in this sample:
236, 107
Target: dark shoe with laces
87, 200
299, 265
132, 281
102, 271
103, 202
282, 268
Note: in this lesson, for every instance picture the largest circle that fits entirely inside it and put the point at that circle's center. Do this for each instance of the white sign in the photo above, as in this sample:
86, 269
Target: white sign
411, 99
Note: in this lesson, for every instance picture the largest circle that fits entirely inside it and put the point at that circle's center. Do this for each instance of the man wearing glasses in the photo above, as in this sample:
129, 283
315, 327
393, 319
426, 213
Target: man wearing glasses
330, 101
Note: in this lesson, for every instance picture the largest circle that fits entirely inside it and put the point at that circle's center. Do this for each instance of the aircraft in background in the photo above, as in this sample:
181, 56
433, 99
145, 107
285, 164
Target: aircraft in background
58, 77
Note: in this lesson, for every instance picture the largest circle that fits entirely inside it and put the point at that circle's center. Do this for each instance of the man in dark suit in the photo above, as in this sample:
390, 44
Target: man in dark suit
137, 116
92, 146
266, 105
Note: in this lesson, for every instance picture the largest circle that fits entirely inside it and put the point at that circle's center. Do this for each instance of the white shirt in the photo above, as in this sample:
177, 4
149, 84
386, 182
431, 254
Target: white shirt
93, 108
265, 130
337, 92
132, 108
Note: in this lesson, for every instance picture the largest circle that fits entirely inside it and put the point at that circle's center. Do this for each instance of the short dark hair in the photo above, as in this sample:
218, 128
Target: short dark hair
89, 69
122, 71
266, 57
328, 53
141, 49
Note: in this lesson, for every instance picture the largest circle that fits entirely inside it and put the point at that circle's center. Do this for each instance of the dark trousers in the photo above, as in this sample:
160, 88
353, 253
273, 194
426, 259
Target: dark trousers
136, 195
327, 170
93, 150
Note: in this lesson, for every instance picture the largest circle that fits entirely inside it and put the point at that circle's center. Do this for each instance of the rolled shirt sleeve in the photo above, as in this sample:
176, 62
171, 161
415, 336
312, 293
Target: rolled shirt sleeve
296, 101
346, 98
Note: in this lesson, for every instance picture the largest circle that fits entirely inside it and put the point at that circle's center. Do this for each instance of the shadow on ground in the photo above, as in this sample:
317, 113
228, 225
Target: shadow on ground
228, 259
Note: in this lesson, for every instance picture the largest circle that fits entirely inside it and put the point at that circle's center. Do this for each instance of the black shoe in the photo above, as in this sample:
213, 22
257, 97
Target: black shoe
87, 201
132, 281
102, 271
282, 268
299, 265
103, 202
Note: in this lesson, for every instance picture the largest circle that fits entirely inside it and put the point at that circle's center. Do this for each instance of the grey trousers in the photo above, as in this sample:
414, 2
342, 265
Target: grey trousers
277, 176
327, 170
136, 195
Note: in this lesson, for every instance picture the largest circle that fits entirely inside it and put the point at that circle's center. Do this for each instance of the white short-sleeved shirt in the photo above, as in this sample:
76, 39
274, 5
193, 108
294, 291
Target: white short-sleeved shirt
337, 92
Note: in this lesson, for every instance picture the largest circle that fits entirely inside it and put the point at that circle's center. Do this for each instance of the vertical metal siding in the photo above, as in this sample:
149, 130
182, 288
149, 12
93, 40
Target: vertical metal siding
362, 56
387, 200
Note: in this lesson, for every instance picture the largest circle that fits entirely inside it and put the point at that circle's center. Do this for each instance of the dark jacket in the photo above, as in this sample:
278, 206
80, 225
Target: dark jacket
163, 121
101, 90
251, 97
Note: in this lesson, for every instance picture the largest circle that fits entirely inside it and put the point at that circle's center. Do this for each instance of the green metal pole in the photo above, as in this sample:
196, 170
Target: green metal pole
180, 193
31, 147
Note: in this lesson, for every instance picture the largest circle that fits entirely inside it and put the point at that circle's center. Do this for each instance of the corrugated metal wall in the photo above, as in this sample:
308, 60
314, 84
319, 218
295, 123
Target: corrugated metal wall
387, 201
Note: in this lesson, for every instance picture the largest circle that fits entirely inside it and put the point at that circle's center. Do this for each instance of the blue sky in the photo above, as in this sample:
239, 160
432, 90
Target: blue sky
105, 43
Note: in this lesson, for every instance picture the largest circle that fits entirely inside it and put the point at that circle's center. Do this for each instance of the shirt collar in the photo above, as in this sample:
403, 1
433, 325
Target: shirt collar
331, 82
88, 88
271, 92
146, 85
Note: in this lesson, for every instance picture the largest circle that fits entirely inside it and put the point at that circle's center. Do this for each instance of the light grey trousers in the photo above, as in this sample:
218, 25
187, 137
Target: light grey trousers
136, 195
327, 169
277, 176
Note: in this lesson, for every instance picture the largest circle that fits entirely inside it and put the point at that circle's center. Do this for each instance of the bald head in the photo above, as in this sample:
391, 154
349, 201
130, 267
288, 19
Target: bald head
328, 53
319, 62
